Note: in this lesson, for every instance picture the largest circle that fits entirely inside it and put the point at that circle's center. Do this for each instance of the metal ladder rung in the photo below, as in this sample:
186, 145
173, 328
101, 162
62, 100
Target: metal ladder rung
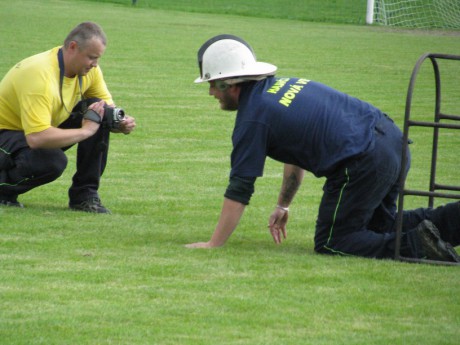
433, 194
433, 124
436, 124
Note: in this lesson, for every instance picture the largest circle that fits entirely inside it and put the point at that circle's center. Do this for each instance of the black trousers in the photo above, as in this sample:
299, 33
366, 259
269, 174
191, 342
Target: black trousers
358, 209
22, 169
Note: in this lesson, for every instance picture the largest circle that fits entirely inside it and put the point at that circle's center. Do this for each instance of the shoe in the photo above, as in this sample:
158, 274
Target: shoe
433, 246
92, 205
11, 203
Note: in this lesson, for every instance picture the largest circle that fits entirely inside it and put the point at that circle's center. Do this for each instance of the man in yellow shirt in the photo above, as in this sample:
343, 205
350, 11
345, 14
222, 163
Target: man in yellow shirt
49, 102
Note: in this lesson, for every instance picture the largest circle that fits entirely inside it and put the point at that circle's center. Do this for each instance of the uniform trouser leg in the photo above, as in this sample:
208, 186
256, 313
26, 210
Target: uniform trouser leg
446, 218
22, 169
358, 209
357, 214
91, 161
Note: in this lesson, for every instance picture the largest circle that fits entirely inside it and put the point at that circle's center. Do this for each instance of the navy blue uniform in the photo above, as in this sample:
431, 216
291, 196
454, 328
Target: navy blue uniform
299, 122
350, 142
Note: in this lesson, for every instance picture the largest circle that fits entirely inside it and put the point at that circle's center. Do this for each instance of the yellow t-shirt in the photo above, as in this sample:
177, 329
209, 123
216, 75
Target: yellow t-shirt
30, 100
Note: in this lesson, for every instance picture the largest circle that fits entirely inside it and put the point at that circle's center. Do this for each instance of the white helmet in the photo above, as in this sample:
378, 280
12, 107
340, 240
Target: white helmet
228, 56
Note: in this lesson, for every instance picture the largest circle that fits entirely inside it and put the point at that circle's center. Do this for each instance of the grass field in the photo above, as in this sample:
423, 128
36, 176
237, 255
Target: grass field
335, 11
73, 278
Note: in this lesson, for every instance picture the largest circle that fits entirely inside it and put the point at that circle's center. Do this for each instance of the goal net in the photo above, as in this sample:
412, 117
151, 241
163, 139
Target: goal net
415, 13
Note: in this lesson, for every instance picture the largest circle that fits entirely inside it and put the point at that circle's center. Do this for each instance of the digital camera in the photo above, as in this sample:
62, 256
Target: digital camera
113, 117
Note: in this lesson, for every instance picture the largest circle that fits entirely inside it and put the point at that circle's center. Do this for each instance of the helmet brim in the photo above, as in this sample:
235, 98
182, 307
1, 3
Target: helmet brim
258, 69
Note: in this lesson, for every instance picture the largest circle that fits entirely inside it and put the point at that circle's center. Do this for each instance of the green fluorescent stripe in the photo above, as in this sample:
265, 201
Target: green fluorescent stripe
5, 152
14, 185
335, 212
337, 252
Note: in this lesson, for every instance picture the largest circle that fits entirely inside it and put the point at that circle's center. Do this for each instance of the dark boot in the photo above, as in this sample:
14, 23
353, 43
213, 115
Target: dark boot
429, 245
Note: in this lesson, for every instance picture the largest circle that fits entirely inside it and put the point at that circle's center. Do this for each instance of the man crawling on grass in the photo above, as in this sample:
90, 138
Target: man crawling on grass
309, 126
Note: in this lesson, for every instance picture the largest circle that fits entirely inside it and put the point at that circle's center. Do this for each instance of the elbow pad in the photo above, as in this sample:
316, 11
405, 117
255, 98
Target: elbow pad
240, 189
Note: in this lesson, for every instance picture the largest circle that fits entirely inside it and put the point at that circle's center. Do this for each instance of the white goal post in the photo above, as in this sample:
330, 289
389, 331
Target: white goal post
414, 13
370, 12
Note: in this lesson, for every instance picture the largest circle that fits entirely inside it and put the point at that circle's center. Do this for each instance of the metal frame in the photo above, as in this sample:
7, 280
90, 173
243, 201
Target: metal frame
436, 125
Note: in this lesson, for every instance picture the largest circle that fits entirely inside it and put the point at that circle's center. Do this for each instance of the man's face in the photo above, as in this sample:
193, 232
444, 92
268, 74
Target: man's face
87, 57
228, 97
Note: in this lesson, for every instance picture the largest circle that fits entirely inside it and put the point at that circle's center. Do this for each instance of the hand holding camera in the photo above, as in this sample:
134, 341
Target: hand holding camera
113, 118
126, 126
